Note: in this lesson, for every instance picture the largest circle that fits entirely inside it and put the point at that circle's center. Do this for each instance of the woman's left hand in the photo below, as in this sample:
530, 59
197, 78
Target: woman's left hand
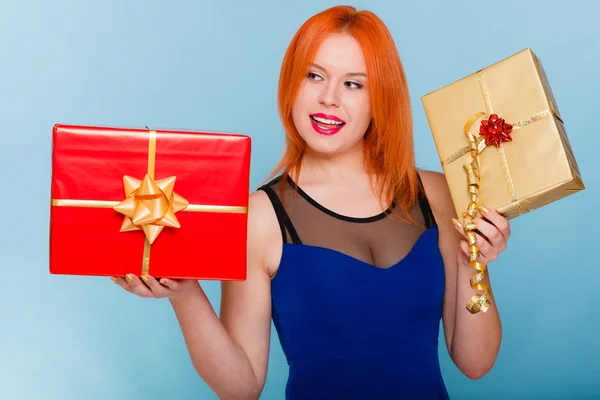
492, 234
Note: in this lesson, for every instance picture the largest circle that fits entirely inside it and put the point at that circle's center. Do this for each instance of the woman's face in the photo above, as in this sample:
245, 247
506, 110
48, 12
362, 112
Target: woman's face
332, 110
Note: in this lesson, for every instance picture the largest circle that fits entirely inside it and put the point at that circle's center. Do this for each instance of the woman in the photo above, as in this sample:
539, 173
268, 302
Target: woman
351, 251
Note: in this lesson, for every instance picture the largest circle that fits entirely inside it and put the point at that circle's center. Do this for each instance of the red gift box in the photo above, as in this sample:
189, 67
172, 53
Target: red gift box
112, 190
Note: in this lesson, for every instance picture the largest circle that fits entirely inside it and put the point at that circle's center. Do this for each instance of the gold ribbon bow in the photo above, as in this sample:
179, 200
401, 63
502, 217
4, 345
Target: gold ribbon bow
150, 205
480, 301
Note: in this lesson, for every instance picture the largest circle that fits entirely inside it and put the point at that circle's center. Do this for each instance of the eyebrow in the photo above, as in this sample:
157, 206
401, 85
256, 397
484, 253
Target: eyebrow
349, 74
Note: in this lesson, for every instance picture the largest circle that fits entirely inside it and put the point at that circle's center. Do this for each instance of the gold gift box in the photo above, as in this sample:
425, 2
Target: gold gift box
534, 169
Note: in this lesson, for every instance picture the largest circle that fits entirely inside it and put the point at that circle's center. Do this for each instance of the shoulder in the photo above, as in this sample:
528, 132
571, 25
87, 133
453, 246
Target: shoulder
264, 235
259, 205
260, 208
438, 194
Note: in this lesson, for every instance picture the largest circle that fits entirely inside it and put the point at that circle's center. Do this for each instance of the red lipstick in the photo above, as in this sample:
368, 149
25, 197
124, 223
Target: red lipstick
326, 124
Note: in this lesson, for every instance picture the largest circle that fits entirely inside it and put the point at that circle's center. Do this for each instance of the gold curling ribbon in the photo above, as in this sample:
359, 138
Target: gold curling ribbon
149, 205
480, 301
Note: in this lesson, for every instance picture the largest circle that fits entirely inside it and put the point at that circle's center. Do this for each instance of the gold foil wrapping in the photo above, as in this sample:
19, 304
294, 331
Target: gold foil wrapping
537, 168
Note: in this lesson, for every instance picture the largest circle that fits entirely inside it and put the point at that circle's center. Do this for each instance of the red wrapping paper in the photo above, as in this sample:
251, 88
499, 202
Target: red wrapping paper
88, 163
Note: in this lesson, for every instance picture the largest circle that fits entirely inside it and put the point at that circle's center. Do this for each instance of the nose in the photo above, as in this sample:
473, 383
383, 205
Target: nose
330, 95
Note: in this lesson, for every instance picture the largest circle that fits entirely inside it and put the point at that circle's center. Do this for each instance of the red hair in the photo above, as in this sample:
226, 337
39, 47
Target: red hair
389, 148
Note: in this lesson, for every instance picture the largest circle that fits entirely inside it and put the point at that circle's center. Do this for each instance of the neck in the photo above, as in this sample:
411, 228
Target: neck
342, 168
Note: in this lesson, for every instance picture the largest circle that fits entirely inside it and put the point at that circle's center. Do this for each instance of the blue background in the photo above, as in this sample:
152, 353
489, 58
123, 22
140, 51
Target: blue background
214, 65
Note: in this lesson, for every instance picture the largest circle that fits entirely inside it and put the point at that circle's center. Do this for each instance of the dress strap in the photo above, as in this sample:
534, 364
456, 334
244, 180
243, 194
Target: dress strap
424, 205
285, 223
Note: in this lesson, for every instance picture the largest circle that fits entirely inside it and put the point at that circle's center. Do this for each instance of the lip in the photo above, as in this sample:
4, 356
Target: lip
326, 132
326, 116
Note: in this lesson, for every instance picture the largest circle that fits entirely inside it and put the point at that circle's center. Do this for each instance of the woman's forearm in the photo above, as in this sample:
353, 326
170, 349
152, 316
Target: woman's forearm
476, 338
219, 361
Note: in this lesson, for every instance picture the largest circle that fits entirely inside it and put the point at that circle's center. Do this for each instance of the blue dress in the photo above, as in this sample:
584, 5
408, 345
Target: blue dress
357, 302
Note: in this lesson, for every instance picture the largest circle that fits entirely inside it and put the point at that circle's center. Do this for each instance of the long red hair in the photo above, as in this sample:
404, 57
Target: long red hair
389, 148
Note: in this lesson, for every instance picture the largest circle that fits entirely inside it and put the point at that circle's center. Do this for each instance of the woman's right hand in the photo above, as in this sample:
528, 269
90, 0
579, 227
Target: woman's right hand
229, 350
147, 286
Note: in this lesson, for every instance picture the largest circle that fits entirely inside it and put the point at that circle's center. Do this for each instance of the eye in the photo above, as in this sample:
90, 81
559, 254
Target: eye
314, 77
353, 85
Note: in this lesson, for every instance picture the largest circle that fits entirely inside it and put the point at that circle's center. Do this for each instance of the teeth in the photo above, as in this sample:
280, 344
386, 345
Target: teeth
327, 121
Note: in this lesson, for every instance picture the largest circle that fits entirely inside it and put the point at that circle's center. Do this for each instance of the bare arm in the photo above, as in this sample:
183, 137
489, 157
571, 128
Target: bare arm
231, 353
473, 341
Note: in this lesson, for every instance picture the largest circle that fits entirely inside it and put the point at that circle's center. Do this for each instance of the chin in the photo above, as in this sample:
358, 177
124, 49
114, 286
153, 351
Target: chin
328, 145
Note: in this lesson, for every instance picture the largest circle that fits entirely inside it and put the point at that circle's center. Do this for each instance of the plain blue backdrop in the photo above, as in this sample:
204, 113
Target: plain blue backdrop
214, 65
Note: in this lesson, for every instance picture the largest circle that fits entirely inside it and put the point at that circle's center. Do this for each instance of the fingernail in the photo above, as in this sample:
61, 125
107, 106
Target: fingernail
483, 210
129, 278
115, 280
145, 278
164, 281
457, 223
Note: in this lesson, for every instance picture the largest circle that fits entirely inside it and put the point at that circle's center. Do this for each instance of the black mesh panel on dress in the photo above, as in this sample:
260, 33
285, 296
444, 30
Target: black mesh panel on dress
381, 241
